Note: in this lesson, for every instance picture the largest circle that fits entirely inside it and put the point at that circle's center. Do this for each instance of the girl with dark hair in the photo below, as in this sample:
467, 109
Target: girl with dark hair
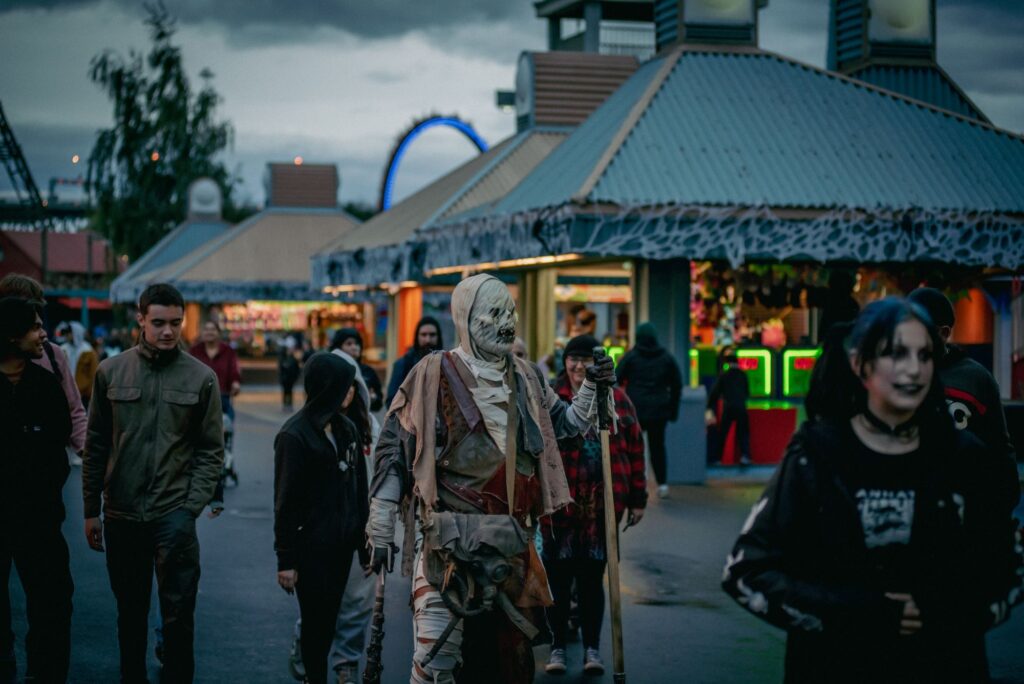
884, 543
350, 341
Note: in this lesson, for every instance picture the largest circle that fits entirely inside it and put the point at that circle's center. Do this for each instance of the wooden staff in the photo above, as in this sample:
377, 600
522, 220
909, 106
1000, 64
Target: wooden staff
611, 533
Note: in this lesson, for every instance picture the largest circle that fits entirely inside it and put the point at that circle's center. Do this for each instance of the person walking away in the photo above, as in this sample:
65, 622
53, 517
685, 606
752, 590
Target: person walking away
972, 394
653, 382
884, 543
427, 339
53, 360
153, 454
289, 368
35, 423
357, 601
222, 360
350, 341
733, 388
573, 539
82, 359
320, 504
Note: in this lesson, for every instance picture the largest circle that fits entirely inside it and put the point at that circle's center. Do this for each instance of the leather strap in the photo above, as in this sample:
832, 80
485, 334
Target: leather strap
511, 427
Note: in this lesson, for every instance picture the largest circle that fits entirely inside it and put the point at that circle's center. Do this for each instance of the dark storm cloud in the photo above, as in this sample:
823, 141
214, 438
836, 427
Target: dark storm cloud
375, 19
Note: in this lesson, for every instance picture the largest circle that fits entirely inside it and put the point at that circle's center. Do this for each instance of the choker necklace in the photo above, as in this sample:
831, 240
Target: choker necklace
907, 430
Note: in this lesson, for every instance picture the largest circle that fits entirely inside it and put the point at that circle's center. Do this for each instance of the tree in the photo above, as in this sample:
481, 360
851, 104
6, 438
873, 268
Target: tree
163, 138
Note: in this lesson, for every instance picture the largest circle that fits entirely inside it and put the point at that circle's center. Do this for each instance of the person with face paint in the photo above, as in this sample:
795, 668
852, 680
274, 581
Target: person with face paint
426, 340
470, 439
320, 504
884, 543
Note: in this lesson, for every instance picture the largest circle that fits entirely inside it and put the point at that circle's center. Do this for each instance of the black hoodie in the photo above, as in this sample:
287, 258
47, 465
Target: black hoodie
651, 378
402, 366
972, 396
320, 491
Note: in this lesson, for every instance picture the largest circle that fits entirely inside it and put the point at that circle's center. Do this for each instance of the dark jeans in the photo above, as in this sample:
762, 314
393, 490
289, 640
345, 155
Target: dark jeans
656, 443
323, 573
40, 555
287, 396
738, 415
134, 549
589, 576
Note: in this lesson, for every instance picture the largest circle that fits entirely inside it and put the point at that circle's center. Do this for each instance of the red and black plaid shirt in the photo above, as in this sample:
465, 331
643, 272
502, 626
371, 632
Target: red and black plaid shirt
629, 479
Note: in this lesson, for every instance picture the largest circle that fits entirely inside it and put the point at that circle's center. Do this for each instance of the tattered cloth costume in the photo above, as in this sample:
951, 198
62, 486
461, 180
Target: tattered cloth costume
443, 454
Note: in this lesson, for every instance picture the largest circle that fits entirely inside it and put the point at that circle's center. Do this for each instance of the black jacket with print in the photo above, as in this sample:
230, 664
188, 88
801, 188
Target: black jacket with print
801, 562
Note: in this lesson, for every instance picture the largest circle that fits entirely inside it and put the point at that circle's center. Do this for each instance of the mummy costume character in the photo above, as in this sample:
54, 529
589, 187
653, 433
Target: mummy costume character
471, 430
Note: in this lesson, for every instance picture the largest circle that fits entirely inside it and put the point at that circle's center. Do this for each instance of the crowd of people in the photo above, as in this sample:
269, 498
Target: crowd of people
884, 544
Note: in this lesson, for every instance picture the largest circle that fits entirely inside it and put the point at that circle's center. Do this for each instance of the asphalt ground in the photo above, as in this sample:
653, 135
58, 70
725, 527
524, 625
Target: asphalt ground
678, 624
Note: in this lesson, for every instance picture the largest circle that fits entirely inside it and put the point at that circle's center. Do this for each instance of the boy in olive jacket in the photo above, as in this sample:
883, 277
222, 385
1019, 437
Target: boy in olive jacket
154, 449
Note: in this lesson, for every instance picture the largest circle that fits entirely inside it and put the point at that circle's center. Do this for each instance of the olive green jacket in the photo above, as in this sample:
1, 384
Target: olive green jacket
156, 439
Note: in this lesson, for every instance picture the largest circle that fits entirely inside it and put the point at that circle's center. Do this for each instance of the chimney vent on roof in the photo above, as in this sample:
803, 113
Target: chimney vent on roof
302, 185
706, 22
865, 32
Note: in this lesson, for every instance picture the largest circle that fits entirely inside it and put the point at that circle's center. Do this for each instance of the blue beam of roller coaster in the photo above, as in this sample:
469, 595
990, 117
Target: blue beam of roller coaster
387, 187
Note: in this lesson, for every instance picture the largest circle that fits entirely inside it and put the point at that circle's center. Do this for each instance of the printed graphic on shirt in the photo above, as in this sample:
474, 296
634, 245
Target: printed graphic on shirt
886, 516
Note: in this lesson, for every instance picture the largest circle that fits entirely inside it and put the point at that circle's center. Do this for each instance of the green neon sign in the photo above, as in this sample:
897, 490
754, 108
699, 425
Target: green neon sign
615, 353
694, 368
797, 366
757, 364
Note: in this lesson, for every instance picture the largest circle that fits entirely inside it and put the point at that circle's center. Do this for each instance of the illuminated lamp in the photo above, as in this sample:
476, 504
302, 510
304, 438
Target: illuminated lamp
799, 360
900, 21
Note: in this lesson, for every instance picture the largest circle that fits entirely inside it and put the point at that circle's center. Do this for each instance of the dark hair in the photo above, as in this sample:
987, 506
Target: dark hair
428, 320
835, 390
17, 316
163, 294
22, 287
343, 335
359, 414
936, 304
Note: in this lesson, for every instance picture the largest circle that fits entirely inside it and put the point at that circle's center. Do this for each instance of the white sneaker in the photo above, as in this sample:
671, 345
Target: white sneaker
592, 663
662, 491
556, 662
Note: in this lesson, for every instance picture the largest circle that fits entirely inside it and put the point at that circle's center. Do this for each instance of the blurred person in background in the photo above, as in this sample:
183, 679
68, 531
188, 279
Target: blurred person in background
972, 394
651, 378
884, 543
733, 388
519, 349
82, 358
350, 341
573, 539
289, 368
427, 339
35, 424
53, 360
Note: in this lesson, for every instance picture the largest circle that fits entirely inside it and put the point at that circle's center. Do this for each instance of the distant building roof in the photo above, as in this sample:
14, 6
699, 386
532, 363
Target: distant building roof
65, 252
375, 252
265, 257
928, 83
564, 88
185, 239
736, 153
751, 128
302, 185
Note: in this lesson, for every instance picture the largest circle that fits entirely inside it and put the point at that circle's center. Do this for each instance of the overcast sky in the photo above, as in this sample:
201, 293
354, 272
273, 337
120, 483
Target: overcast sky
338, 80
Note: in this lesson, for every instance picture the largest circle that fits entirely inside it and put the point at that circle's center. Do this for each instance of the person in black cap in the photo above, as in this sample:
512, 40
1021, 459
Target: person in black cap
350, 341
972, 394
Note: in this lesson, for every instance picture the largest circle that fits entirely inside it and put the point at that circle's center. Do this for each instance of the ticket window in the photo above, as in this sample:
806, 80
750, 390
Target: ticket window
797, 367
